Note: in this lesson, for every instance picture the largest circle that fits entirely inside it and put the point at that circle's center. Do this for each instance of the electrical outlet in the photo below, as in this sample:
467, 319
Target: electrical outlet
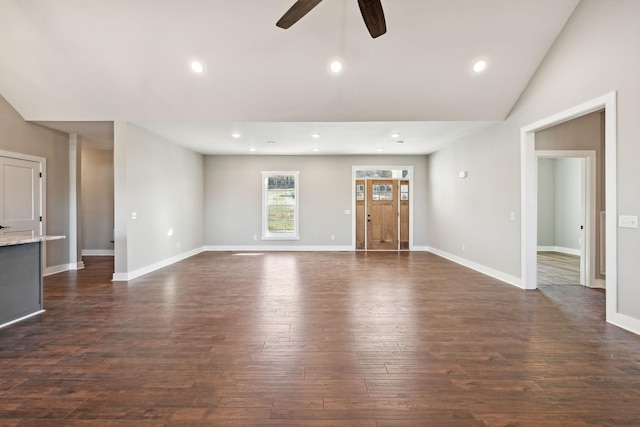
333, 237
178, 245
255, 237
464, 247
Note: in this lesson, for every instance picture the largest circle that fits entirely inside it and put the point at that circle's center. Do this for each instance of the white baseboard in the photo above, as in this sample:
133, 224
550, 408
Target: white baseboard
48, 271
124, 277
98, 252
22, 318
562, 250
625, 322
512, 280
278, 248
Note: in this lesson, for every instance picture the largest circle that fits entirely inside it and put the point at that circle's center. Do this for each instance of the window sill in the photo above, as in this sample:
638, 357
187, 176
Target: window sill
280, 238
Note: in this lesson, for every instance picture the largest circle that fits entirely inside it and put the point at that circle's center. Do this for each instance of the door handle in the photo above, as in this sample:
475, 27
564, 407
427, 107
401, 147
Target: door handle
2, 226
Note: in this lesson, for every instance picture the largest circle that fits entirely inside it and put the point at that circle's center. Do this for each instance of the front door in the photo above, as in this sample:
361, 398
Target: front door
382, 214
19, 197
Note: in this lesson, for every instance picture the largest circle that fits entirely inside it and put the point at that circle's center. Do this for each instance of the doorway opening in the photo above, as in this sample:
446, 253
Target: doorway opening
529, 224
567, 243
382, 199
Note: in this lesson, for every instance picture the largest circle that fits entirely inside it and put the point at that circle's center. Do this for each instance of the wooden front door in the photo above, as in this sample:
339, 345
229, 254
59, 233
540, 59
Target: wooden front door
382, 214
19, 197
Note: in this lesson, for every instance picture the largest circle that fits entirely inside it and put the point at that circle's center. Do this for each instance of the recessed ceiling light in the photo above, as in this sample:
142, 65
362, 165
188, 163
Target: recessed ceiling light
252, 149
315, 135
271, 142
336, 66
197, 67
479, 66
316, 149
235, 135
395, 135
379, 149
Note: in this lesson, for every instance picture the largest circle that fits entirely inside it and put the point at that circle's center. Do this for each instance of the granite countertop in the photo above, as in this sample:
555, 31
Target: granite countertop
20, 240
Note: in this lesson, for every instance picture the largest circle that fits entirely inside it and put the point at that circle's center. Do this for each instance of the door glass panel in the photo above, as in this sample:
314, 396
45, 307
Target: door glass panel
382, 192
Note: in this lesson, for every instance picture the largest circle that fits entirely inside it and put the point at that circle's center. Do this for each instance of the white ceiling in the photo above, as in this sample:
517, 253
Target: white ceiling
104, 60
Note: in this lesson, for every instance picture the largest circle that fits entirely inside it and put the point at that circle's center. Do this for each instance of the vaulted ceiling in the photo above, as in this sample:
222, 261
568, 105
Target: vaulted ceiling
63, 62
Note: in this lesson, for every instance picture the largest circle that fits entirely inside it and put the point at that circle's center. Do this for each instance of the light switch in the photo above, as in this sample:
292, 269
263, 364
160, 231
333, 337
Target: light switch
628, 221
347, 212
134, 215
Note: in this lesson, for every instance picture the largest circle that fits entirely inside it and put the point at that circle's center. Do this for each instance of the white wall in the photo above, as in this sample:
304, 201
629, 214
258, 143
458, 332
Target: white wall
597, 52
162, 183
233, 198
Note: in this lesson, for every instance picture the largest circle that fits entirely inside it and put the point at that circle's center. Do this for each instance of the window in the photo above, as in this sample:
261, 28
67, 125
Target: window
280, 205
372, 173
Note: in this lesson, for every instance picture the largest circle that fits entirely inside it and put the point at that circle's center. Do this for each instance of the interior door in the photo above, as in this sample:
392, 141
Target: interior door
19, 197
382, 214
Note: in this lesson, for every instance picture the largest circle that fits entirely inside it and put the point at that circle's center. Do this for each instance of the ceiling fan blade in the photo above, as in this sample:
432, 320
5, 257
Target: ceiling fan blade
296, 12
373, 16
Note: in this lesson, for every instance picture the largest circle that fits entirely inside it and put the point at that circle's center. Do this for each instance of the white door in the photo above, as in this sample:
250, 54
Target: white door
19, 197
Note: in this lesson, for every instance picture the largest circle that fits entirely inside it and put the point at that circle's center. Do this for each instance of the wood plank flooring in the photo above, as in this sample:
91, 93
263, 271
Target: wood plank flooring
316, 339
556, 268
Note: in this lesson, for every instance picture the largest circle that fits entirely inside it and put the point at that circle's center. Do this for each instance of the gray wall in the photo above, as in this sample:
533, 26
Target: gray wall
97, 200
19, 136
476, 211
559, 202
546, 202
568, 203
163, 183
598, 52
233, 197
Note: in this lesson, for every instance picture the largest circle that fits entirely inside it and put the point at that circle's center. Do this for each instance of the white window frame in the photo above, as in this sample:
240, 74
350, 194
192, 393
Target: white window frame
266, 235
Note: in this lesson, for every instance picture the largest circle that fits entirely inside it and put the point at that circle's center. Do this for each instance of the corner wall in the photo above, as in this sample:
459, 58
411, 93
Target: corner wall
162, 183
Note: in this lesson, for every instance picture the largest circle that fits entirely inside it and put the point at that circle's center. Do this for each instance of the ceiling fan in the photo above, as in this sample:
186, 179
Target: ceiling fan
371, 10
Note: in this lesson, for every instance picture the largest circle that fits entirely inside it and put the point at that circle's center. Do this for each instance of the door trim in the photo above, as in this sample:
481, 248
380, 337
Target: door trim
43, 183
587, 208
43, 194
353, 198
528, 166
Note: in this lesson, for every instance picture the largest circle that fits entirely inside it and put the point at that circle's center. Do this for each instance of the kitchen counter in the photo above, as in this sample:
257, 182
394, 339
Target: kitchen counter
20, 240
21, 277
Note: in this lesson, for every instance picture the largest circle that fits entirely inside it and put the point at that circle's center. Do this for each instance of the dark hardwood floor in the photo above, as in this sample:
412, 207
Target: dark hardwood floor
316, 339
